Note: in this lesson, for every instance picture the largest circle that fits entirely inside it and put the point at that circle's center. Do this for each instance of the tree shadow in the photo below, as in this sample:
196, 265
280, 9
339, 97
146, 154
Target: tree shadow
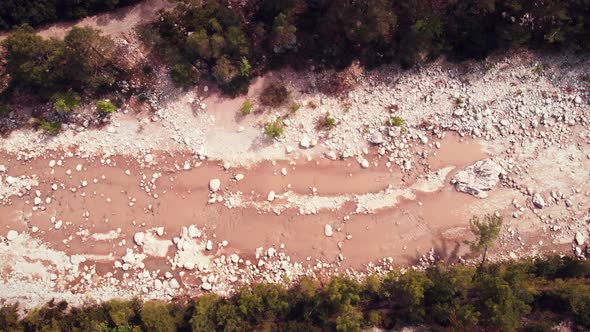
446, 251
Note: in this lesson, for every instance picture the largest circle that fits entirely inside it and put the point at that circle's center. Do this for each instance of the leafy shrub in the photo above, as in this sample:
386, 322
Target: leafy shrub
65, 102
105, 107
183, 74
397, 121
246, 107
326, 122
274, 129
49, 127
274, 95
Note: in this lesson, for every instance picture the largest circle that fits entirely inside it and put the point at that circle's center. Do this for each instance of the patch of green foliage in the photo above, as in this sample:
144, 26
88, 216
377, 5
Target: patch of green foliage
528, 295
327, 122
246, 107
274, 129
105, 107
49, 127
66, 102
397, 121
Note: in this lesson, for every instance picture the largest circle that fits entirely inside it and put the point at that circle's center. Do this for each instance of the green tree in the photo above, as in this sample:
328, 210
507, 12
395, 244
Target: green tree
155, 316
283, 37
197, 45
501, 304
34, 62
349, 320
224, 71
120, 311
205, 310
410, 290
90, 57
486, 232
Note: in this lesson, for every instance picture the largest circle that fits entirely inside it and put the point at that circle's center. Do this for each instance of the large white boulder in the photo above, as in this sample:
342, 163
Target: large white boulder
478, 178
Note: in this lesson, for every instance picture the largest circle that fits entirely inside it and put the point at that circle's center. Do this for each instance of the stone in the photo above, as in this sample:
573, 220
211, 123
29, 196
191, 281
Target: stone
160, 231
148, 158
364, 163
209, 245
305, 141
424, 140
376, 138
157, 284
328, 230
331, 155
538, 201
478, 178
239, 177
173, 283
580, 239
37, 201
139, 238
578, 100
52, 163
235, 258
284, 171
214, 185
206, 286
271, 196
11, 235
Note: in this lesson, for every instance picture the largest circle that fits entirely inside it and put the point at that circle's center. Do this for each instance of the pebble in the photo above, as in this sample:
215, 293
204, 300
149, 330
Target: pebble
364, 163
284, 171
271, 196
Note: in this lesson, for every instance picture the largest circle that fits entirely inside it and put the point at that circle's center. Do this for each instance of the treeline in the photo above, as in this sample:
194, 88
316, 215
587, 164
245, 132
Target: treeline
206, 38
36, 12
517, 296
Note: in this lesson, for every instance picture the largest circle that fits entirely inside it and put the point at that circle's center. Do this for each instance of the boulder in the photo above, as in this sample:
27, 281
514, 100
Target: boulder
328, 230
376, 138
214, 185
580, 239
364, 163
538, 201
478, 178
11, 235
305, 142
139, 238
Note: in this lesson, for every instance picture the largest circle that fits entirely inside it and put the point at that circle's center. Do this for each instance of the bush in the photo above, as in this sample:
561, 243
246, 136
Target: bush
49, 127
327, 122
397, 121
65, 102
274, 95
183, 74
105, 107
246, 107
274, 129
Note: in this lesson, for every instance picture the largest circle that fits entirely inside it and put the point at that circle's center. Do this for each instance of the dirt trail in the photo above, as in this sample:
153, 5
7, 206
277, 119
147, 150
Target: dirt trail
111, 23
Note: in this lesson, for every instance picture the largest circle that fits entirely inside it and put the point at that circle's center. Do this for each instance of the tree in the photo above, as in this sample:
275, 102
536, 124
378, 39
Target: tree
90, 57
205, 310
224, 71
34, 62
349, 320
156, 317
486, 232
197, 45
283, 36
410, 290
120, 311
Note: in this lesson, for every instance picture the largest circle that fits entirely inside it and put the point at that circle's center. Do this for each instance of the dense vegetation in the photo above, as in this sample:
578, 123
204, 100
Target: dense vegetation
527, 296
205, 38
35, 12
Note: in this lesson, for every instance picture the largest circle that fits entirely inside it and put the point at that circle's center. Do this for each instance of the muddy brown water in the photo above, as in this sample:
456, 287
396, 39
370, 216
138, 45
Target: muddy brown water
403, 232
